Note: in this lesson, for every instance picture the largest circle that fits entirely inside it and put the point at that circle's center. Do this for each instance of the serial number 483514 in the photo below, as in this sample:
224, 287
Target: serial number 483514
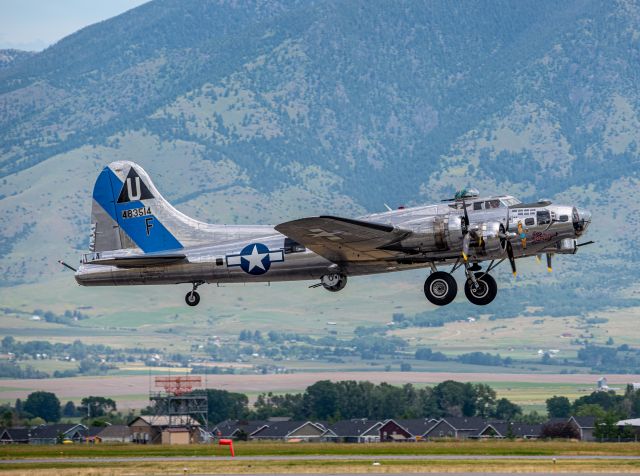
136, 212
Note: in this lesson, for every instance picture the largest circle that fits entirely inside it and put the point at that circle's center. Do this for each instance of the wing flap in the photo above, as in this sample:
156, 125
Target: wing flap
343, 240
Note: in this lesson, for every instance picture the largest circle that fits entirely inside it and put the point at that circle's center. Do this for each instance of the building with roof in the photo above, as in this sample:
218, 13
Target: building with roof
456, 427
238, 429
149, 429
52, 434
358, 430
585, 425
115, 434
290, 431
502, 429
18, 435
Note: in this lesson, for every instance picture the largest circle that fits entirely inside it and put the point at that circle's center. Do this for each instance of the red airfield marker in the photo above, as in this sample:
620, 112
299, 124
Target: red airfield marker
229, 443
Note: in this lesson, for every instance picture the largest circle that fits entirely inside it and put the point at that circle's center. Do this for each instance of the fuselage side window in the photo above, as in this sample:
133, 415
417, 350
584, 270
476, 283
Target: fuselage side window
544, 217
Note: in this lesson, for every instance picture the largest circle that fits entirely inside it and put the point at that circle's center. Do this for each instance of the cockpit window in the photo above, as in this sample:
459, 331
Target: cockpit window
544, 217
477, 206
489, 204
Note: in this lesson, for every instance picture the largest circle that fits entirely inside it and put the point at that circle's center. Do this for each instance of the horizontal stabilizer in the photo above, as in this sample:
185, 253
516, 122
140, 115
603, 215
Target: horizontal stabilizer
343, 240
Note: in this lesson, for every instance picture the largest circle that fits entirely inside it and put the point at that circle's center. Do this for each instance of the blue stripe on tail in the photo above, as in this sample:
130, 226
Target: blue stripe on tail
135, 218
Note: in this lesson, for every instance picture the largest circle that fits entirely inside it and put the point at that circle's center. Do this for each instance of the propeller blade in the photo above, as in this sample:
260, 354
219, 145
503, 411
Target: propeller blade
512, 259
538, 258
466, 215
549, 267
586, 243
466, 241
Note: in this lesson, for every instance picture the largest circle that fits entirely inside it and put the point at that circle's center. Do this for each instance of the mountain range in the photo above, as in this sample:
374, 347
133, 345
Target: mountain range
259, 112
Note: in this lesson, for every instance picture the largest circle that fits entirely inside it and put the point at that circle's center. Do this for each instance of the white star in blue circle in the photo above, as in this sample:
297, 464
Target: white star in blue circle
255, 259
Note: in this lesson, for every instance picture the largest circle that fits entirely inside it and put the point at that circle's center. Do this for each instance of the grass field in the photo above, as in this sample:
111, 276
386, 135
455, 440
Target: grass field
306, 455
253, 448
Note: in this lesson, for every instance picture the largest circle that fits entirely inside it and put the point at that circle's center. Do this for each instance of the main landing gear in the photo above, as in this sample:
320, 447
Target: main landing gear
333, 282
193, 298
441, 288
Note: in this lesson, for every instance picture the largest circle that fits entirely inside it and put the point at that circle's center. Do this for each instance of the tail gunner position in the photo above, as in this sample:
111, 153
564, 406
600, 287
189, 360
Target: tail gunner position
137, 237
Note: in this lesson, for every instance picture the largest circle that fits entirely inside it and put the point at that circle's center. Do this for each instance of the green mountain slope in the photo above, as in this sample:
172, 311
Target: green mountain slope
258, 112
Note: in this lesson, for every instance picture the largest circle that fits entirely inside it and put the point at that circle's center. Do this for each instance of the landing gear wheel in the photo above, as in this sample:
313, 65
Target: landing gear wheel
334, 282
484, 292
192, 298
440, 288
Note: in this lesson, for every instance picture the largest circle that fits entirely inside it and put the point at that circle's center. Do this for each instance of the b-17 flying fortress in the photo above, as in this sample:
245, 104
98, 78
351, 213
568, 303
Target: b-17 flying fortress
137, 237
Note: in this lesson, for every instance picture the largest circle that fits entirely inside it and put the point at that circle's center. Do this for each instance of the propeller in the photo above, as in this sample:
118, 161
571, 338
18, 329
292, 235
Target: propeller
464, 227
466, 241
549, 267
512, 259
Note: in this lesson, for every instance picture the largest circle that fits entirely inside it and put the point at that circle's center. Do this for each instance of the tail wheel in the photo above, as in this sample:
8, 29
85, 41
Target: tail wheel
192, 298
440, 288
484, 292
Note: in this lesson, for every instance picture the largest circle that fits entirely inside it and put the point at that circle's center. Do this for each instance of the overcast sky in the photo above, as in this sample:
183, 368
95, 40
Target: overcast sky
35, 24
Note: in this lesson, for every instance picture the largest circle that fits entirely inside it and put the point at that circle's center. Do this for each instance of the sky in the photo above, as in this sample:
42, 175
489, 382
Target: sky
35, 24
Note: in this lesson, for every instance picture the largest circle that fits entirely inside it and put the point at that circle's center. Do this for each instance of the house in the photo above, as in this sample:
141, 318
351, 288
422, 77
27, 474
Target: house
92, 434
418, 427
115, 434
290, 431
149, 429
359, 430
633, 424
501, 429
456, 427
406, 429
176, 436
391, 430
52, 434
585, 426
15, 435
238, 429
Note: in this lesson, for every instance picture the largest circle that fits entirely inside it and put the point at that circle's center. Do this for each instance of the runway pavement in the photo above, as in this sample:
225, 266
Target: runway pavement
372, 458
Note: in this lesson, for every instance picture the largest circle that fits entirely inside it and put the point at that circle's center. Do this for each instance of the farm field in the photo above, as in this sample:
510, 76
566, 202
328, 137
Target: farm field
529, 390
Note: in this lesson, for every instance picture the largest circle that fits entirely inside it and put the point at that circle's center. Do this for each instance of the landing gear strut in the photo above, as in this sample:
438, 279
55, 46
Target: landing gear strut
193, 298
440, 288
480, 289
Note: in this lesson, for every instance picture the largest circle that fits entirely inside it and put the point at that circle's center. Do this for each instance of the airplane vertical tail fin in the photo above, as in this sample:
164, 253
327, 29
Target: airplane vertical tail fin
128, 212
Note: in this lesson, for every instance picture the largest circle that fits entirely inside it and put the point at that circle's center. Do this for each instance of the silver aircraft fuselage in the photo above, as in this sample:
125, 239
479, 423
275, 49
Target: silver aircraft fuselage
137, 237
439, 227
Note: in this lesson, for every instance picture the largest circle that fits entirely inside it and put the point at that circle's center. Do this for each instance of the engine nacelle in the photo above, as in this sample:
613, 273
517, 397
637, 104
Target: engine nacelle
488, 240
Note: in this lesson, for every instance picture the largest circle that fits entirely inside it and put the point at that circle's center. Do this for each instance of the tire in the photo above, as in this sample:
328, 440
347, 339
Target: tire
192, 298
338, 282
440, 288
486, 291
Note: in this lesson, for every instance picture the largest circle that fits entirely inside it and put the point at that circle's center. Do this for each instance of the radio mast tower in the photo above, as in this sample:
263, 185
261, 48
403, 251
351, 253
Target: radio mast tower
179, 401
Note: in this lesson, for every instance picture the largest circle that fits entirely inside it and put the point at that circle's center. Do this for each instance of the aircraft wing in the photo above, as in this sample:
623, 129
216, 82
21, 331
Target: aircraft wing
343, 240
